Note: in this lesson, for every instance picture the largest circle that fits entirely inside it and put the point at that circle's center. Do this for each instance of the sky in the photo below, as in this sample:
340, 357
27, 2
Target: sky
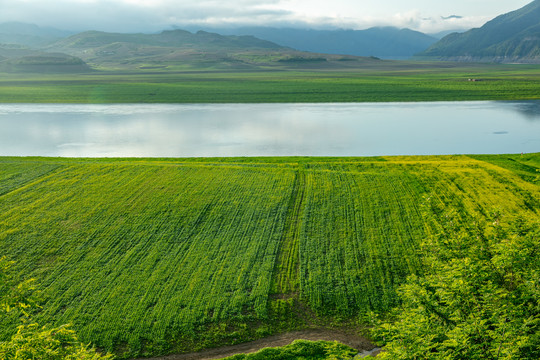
428, 16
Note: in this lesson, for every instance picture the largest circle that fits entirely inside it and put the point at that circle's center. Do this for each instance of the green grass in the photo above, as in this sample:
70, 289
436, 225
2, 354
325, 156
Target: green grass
381, 81
151, 256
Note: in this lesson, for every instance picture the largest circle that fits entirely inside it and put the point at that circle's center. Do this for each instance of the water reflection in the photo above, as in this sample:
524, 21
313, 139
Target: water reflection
530, 109
269, 129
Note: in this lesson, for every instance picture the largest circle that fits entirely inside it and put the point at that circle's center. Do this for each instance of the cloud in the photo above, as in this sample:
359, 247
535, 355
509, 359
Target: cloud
136, 15
451, 17
156, 15
417, 20
414, 19
438, 24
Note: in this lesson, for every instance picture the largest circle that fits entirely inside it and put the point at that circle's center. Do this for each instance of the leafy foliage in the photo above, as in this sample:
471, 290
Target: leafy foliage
478, 301
301, 350
15, 298
32, 341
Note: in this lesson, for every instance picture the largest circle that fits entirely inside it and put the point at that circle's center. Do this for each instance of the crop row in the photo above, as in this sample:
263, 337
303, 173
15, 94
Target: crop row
128, 253
364, 222
359, 239
150, 256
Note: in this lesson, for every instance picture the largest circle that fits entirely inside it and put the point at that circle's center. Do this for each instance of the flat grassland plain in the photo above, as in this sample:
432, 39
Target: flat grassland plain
155, 256
348, 81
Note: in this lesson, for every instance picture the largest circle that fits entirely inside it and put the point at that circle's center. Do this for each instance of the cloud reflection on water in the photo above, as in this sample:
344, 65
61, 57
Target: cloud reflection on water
269, 129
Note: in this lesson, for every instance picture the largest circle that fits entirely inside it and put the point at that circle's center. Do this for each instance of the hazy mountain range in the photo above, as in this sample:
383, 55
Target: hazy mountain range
381, 42
171, 50
512, 37
166, 48
29, 34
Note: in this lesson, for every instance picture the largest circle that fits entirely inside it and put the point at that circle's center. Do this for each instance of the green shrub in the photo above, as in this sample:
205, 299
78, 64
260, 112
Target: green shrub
479, 300
32, 341
302, 350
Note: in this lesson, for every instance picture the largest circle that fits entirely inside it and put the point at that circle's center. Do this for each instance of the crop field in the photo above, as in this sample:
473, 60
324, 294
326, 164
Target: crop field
153, 256
379, 82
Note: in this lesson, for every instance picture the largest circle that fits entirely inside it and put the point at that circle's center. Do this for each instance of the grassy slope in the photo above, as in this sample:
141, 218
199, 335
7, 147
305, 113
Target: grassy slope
352, 82
160, 255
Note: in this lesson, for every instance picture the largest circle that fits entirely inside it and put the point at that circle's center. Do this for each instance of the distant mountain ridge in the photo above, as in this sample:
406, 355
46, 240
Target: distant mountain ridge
168, 38
182, 50
512, 37
29, 34
168, 47
383, 42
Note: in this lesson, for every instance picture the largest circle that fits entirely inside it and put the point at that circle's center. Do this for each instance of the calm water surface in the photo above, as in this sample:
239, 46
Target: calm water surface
359, 129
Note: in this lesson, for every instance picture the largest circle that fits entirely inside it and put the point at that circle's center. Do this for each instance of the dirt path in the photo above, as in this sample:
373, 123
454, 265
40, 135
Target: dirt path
354, 341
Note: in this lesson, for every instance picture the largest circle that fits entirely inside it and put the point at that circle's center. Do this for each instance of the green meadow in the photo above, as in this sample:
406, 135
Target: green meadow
374, 81
156, 256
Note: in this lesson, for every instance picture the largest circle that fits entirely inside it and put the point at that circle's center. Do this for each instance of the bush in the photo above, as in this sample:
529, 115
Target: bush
32, 341
302, 350
479, 300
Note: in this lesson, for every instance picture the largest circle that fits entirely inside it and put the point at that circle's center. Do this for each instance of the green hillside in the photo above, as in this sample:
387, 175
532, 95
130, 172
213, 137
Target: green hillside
512, 37
170, 38
155, 256
17, 59
177, 49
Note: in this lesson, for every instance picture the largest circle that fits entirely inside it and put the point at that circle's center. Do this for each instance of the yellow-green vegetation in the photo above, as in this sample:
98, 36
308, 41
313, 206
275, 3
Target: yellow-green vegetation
148, 256
29, 340
478, 299
359, 81
301, 350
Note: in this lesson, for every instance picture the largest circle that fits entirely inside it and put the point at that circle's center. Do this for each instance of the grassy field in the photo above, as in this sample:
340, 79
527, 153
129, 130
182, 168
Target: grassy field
151, 256
374, 81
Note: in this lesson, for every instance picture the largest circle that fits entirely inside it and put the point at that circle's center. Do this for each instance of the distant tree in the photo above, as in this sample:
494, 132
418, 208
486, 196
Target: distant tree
32, 341
480, 298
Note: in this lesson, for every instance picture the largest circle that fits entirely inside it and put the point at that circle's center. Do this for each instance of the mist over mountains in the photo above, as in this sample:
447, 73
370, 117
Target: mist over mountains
381, 42
512, 37
30, 35
170, 50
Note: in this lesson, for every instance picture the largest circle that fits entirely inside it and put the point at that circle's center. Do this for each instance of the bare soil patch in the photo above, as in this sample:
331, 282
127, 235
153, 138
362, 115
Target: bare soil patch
355, 341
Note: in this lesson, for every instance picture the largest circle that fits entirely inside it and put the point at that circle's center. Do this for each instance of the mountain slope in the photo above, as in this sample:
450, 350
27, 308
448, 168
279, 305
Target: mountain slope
29, 35
512, 37
18, 59
383, 42
178, 46
176, 38
181, 49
